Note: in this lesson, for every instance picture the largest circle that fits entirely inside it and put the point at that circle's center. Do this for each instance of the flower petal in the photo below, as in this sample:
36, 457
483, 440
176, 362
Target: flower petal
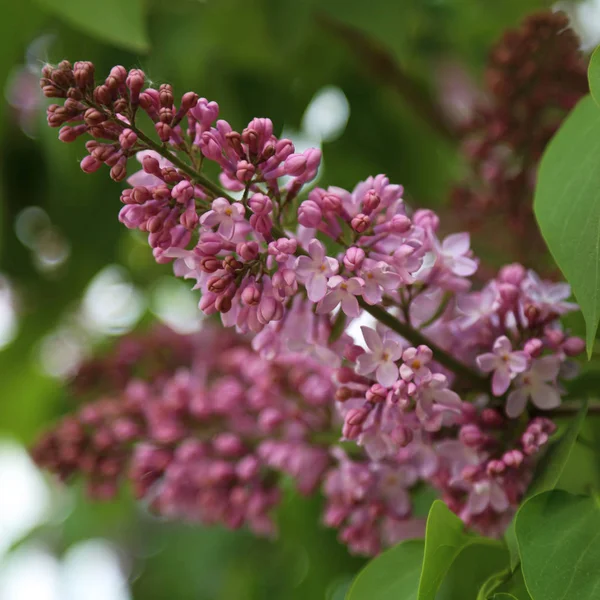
316, 287
387, 374
500, 381
372, 339
456, 244
516, 402
545, 396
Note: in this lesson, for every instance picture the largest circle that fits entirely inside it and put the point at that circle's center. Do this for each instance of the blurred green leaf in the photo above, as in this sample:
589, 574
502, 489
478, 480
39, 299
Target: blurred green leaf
393, 575
594, 75
119, 22
567, 207
548, 473
559, 543
445, 540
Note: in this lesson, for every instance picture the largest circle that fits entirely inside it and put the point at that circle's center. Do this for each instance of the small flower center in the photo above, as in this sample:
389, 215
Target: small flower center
344, 286
370, 276
228, 212
416, 364
385, 356
322, 268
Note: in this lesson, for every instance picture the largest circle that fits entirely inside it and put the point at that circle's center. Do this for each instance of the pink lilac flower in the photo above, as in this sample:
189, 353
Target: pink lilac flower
342, 291
454, 254
539, 384
414, 364
315, 269
381, 359
379, 278
224, 215
504, 363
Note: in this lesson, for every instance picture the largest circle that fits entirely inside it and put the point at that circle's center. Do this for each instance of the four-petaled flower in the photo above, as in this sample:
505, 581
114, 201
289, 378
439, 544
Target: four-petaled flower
538, 384
415, 360
378, 277
224, 215
505, 364
453, 252
314, 270
382, 357
342, 291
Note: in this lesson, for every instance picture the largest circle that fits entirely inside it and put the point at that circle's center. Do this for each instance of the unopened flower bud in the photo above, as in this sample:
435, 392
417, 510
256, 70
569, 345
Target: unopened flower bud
360, 223
353, 258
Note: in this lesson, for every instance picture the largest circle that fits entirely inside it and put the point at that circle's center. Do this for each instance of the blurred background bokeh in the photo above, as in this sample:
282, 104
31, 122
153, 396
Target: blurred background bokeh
380, 86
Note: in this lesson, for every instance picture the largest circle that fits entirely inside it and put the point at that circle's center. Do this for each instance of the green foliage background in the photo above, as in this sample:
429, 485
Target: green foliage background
256, 58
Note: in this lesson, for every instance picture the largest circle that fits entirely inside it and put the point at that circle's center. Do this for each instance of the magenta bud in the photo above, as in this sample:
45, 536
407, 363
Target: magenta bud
127, 139
352, 352
283, 149
513, 274
573, 346
354, 257
376, 393
135, 82
513, 458
251, 295
90, 164
151, 166
470, 435
470, 472
492, 418
331, 203
371, 202
69, 134
309, 214
260, 204
495, 467
228, 444
295, 165
244, 171
210, 264
219, 283
117, 76
183, 192
426, 219
509, 293
188, 101
163, 131
533, 347
119, 171
360, 223
400, 224
554, 337
247, 250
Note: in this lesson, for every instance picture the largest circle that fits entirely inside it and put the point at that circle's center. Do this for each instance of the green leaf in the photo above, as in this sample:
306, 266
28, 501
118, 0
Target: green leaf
118, 22
472, 569
393, 575
548, 473
514, 587
567, 207
445, 539
594, 75
503, 596
559, 542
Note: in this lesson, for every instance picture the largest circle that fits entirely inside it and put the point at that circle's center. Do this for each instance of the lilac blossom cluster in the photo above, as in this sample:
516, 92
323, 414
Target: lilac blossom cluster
209, 442
430, 395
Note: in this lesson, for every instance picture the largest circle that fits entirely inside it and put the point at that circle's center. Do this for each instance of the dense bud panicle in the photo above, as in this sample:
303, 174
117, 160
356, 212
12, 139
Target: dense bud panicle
434, 393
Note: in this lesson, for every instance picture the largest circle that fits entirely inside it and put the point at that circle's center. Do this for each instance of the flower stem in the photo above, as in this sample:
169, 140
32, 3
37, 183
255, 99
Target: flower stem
461, 370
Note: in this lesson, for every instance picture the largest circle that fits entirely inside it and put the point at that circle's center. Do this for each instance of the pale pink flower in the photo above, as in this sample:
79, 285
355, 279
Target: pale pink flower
453, 253
342, 291
378, 277
381, 358
225, 215
437, 405
314, 270
538, 384
550, 297
483, 494
414, 365
505, 364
